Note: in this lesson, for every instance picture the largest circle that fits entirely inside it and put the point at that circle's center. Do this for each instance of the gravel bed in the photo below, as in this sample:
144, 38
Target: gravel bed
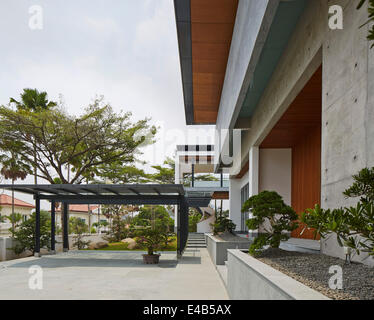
313, 271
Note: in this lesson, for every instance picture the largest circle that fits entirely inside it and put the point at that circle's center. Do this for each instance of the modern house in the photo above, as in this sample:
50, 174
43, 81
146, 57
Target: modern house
292, 99
88, 213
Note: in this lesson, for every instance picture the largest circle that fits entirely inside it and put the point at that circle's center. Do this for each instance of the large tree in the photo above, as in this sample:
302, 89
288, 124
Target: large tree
34, 101
97, 138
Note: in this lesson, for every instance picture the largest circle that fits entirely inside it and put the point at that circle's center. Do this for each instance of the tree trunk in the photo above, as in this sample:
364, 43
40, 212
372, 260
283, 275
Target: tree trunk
13, 221
35, 169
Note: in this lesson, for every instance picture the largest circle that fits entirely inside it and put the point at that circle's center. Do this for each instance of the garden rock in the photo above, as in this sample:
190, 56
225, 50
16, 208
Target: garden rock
131, 243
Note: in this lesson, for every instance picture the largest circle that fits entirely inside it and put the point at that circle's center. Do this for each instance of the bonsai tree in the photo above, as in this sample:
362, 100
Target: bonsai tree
353, 226
153, 239
223, 224
271, 213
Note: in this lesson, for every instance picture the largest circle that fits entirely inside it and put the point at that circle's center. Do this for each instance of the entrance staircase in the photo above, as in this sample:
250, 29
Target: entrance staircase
196, 240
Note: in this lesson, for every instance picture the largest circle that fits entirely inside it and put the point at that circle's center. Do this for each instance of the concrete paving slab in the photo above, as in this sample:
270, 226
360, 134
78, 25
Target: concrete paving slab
114, 275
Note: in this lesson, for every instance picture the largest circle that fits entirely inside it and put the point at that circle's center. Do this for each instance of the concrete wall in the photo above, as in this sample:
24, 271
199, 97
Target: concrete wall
250, 279
218, 248
6, 243
275, 171
348, 98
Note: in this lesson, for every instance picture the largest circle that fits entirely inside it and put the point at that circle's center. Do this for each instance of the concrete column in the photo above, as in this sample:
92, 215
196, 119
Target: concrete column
254, 159
253, 170
235, 202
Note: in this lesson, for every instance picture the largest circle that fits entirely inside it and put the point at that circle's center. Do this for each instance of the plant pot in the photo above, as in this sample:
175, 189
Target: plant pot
151, 258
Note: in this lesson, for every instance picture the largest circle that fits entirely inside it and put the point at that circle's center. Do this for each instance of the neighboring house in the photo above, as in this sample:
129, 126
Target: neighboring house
20, 206
88, 213
301, 96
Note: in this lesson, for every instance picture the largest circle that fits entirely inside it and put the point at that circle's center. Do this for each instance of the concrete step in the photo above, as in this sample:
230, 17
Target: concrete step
196, 245
196, 240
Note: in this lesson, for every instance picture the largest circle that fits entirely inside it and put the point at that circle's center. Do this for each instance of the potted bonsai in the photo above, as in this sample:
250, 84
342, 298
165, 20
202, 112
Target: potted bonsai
152, 240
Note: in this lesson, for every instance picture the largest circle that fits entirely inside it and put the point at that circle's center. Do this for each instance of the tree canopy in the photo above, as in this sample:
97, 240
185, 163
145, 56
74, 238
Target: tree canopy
86, 143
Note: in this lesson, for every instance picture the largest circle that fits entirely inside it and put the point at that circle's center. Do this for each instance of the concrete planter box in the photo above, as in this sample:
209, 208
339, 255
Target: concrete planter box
251, 279
218, 248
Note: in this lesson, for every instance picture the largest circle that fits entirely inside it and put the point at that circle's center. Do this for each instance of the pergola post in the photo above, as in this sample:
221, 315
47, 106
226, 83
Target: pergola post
179, 251
66, 228
53, 227
193, 175
37, 227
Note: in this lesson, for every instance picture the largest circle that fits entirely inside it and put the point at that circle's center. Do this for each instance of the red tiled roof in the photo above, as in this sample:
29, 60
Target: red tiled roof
6, 200
80, 207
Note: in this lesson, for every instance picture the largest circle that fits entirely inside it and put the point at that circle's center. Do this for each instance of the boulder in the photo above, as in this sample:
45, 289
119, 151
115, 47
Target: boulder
98, 245
131, 243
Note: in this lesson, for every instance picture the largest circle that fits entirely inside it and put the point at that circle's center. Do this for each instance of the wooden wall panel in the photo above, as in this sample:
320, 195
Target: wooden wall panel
306, 176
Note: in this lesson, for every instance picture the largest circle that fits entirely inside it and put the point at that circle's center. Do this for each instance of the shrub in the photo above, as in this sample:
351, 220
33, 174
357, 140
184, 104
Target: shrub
24, 236
79, 227
193, 219
269, 211
353, 226
223, 224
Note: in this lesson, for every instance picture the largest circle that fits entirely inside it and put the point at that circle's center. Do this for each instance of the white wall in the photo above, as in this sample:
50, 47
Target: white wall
275, 172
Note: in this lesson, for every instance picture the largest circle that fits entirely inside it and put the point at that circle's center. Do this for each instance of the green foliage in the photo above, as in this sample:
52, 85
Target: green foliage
353, 226
24, 236
165, 174
370, 19
223, 224
33, 100
271, 213
78, 227
93, 230
152, 239
193, 219
363, 186
154, 215
14, 219
118, 228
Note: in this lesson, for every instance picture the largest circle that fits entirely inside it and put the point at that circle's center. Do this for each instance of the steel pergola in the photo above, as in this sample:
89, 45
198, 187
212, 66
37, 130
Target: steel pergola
136, 194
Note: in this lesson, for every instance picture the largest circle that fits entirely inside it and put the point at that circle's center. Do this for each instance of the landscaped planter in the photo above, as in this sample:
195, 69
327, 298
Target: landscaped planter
251, 279
217, 248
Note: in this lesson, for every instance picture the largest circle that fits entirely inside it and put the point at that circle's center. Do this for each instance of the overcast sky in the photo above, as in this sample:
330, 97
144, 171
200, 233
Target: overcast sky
126, 50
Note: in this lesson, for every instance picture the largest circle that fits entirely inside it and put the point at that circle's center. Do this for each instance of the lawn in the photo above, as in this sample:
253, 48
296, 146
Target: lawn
120, 246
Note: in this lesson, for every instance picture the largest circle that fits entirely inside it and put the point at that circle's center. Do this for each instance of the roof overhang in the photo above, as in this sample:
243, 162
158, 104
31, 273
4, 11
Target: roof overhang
204, 31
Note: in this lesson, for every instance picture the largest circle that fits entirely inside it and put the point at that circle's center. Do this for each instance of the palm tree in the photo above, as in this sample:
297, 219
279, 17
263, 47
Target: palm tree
34, 101
14, 219
14, 169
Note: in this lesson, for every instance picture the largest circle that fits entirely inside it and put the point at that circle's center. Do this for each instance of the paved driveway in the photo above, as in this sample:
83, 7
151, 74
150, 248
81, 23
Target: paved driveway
113, 275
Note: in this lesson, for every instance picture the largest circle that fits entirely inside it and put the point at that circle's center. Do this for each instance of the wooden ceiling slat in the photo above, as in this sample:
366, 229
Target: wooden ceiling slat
212, 25
211, 32
213, 11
